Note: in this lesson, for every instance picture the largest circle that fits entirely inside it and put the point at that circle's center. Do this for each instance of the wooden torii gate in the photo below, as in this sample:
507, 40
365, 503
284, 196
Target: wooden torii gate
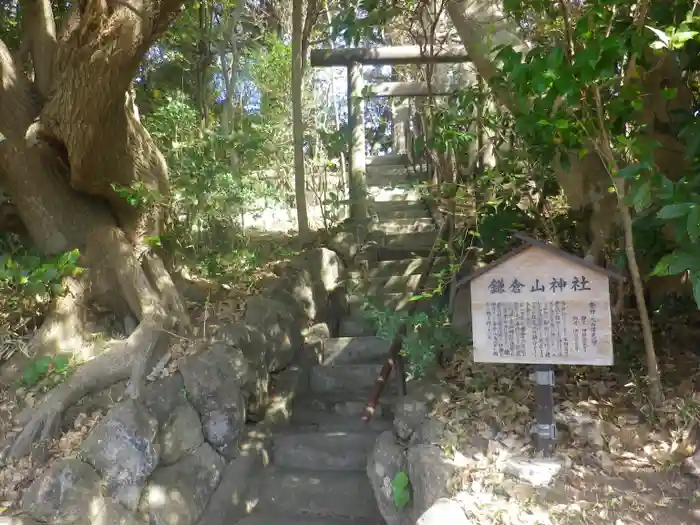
353, 59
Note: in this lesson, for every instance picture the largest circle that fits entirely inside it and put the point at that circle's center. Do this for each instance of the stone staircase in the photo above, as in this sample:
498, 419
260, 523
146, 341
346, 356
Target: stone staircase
317, 474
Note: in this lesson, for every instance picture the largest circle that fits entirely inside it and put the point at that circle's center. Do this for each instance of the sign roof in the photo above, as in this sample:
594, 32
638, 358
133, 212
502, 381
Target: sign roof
529, 242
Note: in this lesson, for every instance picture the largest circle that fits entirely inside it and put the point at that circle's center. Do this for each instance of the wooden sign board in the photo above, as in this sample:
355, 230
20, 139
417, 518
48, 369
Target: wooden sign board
537, 306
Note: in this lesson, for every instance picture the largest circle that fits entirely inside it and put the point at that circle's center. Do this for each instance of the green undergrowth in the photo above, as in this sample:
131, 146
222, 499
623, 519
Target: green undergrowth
427, 334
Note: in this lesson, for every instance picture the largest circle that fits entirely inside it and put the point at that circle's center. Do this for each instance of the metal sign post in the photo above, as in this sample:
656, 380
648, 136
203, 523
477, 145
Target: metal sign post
545, 429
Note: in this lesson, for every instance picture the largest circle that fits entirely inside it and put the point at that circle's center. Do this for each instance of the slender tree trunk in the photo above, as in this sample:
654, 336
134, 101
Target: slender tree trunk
297, 117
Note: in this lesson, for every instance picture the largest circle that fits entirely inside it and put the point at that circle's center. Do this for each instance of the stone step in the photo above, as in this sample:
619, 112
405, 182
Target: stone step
392, 301
356, 326
344, 378
395, 284
398, 209
341, 404
323, 450
400, 159
319, 493
419, 224
411, 240
406, 191
401, 267
311, 419
279, 519
395, 253
355, 350
395, 179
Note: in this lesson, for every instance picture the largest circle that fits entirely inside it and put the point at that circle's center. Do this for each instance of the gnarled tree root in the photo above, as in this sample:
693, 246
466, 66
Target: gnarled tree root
152, 297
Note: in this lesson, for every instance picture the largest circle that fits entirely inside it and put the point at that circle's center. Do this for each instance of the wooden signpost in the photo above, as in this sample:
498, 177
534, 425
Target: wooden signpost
542, 306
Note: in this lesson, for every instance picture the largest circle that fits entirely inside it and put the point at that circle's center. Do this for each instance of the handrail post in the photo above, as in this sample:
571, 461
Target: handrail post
356, 119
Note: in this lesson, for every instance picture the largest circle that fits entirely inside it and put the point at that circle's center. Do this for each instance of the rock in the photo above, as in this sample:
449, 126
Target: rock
253, 344
539, 472
179, 427
231, 500
692, 464
213, 381
412, 411
17, 520
322, 266
408, 416
278, 325
444, 511
306, 282
386, 460
346, 245
430, 472
429, 432
178, 494
124, 451
315, 339
163, 396
181, 434
63, 493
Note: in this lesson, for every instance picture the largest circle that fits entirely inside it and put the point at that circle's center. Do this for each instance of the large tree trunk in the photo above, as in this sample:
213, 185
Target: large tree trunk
71, 138
482, 25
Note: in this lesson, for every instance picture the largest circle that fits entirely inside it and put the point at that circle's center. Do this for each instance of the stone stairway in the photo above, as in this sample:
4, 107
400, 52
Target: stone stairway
317, 474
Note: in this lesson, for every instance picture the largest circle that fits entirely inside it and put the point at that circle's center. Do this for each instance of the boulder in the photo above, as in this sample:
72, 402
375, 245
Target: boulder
69, 492
63, 493
178, 494
239, 482
17, 520
430, 471
444, 511
181, 434
253, 344
281, 330
123, 449
214, 381
346, 244
306, 281
411, 412
315, 339
408, 416
386, 460
163, 396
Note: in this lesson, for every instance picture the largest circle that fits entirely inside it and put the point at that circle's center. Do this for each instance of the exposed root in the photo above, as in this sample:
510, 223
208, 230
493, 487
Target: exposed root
41, 425
151, 295
63, 329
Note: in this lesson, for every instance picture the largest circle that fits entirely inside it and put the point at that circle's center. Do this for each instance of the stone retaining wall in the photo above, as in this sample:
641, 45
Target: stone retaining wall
185, 453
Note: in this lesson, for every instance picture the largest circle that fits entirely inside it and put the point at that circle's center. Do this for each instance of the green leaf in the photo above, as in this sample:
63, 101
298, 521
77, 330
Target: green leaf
562, 124
694, 224
675, 263
632, 170
670, 93
641, 198
400, 489
673, 211
663, 37
400, 481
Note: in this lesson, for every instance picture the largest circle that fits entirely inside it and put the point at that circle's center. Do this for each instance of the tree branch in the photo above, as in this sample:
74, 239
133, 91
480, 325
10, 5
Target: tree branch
40, 31
19, 103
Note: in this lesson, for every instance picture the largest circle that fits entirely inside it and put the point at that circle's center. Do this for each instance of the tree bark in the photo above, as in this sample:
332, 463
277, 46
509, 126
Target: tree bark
71, 136
297, 117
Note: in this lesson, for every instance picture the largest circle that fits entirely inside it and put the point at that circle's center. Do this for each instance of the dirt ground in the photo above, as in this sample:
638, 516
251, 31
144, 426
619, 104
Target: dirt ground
624, 462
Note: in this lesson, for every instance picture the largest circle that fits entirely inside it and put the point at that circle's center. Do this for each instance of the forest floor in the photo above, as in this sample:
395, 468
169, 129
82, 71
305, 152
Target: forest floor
623, 460
24, 381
